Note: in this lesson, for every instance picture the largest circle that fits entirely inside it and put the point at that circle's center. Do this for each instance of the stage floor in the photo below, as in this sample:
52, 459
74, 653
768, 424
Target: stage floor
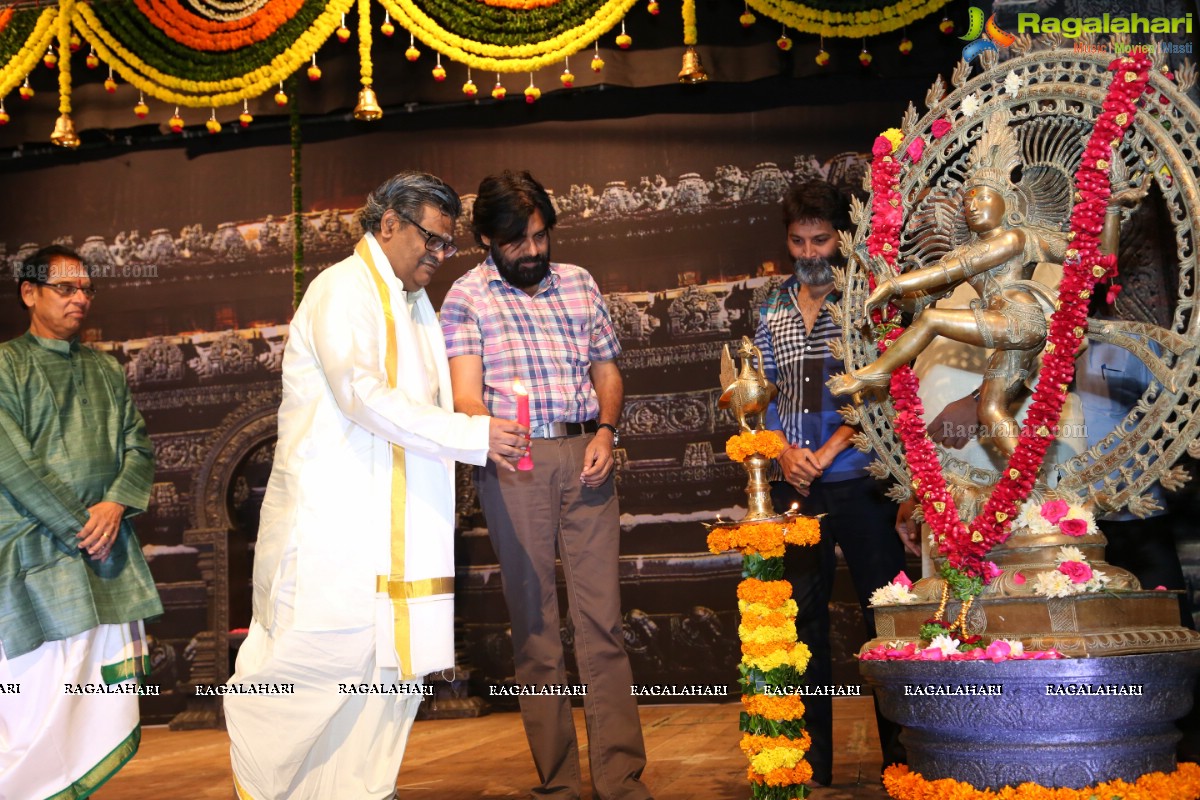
692, 751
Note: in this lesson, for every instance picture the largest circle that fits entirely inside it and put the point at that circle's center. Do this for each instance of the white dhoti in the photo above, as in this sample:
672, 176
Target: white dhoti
62, 734
320, 742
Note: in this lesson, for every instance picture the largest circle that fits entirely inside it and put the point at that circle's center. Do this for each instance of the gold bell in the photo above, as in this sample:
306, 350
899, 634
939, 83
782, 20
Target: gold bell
64, 132
368, 107
693, 70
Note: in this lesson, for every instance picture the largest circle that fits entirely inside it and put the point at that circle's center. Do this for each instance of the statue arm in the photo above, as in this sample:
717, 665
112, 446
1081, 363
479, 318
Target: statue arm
956, 267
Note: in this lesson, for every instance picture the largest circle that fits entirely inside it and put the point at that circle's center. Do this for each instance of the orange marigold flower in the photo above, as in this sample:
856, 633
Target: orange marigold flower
769, 593
777, 707
1182, 784
766, 443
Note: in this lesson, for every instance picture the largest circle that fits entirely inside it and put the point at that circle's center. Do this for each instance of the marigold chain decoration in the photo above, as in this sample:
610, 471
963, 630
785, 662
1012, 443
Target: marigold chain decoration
773, 662
963, 544
1183, 784
202, 54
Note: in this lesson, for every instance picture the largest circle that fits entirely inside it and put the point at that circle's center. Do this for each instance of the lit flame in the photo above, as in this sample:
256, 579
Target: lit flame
518, 387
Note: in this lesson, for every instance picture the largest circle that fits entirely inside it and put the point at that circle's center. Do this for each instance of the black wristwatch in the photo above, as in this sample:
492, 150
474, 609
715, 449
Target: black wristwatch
616, 433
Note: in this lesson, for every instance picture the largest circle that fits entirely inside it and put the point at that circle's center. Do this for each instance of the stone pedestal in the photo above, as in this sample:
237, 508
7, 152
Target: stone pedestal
1034, 726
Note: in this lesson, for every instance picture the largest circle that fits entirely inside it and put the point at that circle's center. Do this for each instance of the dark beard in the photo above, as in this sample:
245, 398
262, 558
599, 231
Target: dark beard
526, 271
814, 271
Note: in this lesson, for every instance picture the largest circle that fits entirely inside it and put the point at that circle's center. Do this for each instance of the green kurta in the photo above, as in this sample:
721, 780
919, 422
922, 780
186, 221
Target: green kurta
70, 437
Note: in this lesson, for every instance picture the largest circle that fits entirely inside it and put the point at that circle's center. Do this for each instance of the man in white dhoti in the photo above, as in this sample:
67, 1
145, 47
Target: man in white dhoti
75, 464
354, 566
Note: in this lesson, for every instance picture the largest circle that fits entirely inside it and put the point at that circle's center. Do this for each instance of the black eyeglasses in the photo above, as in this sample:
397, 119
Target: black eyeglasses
434, 243
69, 289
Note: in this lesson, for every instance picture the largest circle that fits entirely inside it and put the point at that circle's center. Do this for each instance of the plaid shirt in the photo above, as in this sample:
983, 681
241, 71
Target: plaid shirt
799, 363
549, 340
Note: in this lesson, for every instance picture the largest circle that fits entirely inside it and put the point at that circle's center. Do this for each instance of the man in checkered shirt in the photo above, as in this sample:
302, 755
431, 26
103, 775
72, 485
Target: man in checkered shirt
819, 470
519, 316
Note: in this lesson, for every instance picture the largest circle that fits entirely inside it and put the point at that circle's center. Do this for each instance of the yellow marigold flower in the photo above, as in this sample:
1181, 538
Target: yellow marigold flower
894, 136
766, 634
789, 608
774, 758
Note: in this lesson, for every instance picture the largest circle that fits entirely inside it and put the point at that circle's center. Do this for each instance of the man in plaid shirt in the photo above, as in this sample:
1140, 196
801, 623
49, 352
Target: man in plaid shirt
819, 470
519, 316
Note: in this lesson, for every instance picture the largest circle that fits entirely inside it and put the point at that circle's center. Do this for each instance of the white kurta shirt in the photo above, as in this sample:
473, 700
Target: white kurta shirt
330, 495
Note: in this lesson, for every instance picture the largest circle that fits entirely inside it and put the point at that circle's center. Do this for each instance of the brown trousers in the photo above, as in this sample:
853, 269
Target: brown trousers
530, 516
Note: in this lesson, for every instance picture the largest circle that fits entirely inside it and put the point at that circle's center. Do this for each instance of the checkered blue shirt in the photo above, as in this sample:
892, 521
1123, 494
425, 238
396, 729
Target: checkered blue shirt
799, 363
549, 340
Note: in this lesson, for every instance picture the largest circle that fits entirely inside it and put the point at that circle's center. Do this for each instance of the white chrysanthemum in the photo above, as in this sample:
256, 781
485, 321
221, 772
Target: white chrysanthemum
1053, 583
1098, 582
945, 643
892, 594
1032, 521
1015, 648
970, 105
1069, 554
1013, 84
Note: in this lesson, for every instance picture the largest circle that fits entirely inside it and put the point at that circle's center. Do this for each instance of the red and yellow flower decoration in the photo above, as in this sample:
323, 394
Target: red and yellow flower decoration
965, 545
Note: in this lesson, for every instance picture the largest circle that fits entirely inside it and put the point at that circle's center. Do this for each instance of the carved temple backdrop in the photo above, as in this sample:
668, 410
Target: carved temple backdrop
674, 214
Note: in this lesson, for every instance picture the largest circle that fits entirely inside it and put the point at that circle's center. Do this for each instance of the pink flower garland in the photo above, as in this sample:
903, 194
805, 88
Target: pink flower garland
965, 546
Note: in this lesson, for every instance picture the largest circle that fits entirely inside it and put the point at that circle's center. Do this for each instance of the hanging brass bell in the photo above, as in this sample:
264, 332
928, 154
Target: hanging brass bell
693, 70
64, 132
368, 107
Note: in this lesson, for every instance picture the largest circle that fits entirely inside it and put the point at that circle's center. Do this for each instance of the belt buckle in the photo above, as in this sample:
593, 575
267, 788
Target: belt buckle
553, 430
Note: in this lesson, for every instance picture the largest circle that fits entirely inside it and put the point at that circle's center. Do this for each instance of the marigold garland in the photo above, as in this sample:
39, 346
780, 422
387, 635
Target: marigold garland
519, 4
199, 33
689, 22
64, 62
747, 443
765, 538
366, 68
493, 58
148, 45
850, 24
1182, 784
194, 94
31, 52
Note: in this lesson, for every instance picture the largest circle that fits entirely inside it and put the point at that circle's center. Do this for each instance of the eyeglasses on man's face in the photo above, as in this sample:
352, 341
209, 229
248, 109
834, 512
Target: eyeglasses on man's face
434, 243
68, 290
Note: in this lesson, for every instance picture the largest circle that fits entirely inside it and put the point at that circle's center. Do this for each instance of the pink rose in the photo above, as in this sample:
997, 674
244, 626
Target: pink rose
902, 580
940, 128
998, 651
1077, 571
931, 654
916, 148
991, 571
1055, 510
882, 146
1073, 527
1160, 588
1018, 578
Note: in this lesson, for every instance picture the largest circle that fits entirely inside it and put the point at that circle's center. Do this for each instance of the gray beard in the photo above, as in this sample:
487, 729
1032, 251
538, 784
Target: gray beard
813, 271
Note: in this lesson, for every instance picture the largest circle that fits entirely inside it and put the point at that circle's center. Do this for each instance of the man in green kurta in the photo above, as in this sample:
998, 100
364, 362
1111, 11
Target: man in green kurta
75, 465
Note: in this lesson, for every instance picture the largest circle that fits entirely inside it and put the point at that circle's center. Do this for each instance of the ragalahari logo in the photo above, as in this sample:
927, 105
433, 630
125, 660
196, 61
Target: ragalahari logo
982, 37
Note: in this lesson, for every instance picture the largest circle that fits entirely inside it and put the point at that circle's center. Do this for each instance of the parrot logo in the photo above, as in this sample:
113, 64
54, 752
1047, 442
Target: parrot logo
981, 37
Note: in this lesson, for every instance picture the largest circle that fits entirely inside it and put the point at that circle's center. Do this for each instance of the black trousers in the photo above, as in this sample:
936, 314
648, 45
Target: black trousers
861, 521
